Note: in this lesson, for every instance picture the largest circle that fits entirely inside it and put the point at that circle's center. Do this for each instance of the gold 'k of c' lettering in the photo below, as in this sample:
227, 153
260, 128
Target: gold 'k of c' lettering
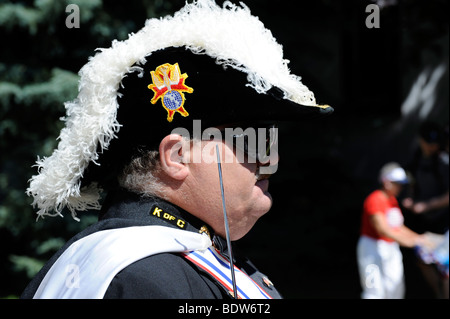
168, 216
180, 223
157, 212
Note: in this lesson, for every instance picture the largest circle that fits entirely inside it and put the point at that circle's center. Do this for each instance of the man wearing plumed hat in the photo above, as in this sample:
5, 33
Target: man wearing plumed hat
172, 138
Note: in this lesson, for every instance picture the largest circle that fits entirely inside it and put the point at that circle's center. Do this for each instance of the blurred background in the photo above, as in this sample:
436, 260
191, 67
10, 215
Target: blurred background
383, 82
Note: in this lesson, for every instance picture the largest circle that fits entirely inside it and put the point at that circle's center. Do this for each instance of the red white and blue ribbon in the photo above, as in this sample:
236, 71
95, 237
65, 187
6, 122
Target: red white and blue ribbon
213, 263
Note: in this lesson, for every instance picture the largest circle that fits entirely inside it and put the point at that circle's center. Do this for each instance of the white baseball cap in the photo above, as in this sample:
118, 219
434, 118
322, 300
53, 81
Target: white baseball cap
393, 172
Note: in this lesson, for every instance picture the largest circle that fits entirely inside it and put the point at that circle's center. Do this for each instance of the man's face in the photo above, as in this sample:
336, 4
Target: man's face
394, 188
246, 191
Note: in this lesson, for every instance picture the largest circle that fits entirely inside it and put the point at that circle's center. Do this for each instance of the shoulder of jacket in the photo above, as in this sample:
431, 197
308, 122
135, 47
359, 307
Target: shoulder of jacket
163, 276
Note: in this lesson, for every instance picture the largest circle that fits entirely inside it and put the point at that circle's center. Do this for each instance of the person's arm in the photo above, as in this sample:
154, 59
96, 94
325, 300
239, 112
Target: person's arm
434, 203
402, 235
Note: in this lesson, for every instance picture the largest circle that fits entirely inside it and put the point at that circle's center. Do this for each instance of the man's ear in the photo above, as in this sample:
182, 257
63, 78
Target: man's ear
171, 159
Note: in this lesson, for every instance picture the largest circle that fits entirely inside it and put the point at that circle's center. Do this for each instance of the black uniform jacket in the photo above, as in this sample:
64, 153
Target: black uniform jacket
165, 275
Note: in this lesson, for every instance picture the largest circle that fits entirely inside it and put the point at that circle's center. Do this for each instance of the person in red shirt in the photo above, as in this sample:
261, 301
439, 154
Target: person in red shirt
380, 261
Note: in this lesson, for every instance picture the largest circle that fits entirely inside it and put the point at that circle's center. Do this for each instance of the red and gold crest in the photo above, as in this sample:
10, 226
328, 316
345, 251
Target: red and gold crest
168, 84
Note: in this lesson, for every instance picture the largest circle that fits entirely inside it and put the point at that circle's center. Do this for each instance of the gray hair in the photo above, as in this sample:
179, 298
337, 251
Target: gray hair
141, 175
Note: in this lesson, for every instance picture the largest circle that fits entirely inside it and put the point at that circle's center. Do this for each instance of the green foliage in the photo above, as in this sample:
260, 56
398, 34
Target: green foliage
44, 12
61, 86
28, 264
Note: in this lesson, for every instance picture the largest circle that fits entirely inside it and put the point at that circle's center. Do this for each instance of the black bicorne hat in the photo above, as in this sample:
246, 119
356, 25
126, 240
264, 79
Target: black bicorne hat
175, 87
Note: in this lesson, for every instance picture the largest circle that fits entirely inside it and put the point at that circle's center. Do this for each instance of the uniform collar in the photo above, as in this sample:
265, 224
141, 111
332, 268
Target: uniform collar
145, 210
151, 210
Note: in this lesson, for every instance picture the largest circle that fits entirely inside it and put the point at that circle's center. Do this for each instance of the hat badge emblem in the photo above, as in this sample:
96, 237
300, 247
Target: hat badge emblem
168, 85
